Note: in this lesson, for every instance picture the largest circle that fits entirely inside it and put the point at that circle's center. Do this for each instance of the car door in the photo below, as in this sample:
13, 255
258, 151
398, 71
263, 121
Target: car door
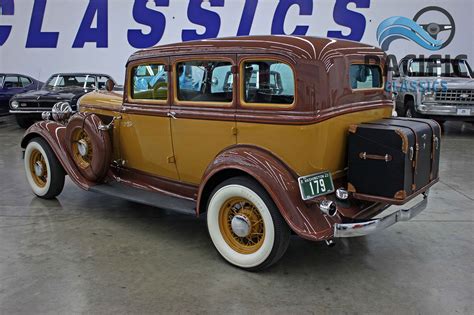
145, 131
12, 85
202, 111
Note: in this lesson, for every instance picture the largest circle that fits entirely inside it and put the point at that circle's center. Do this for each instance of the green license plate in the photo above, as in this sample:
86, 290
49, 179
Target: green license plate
315, 185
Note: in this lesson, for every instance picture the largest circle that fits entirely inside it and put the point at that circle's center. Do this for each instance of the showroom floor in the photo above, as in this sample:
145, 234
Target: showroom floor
87, 252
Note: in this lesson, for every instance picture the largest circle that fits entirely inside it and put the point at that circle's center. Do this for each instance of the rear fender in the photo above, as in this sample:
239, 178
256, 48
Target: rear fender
281, 183
54, 134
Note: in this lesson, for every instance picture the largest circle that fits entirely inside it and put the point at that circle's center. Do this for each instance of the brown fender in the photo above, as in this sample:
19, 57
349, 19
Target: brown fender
304, 218
54, 133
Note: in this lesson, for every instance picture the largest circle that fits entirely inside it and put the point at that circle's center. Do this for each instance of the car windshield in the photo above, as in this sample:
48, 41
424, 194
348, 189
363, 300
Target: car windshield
439, 68
1, 80
70, 81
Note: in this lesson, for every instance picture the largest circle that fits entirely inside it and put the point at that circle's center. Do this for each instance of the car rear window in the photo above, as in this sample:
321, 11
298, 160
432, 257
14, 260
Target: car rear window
365, 76
204, 81
25, 81
150, 82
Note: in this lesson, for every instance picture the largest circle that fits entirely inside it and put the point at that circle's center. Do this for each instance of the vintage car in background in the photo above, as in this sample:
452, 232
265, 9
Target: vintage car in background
265, 135
61, 87
12, 84
439, 89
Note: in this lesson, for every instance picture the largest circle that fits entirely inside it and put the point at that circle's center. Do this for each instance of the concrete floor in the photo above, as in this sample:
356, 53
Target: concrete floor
86, 252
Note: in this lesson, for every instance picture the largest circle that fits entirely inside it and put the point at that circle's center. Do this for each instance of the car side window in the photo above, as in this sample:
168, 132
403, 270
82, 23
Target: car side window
404, 67
89, 82
365, 76
149, 82
11, 82
268, 82
204, 81
25, 81
101, 81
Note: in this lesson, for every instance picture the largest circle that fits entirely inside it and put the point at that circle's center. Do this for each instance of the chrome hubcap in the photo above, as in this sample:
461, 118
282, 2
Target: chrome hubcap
39, 170
82, 147
240, 225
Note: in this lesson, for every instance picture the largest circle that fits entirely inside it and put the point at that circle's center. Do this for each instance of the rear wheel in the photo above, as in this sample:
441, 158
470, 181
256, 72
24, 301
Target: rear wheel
245, 226
43, 170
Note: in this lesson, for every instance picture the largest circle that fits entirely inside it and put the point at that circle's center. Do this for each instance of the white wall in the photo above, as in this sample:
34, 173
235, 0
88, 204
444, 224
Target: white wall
65, 16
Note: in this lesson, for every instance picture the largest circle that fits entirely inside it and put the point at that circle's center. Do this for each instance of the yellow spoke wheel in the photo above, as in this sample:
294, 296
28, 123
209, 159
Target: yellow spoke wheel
241, 225
38, 168
245, 225
82, 148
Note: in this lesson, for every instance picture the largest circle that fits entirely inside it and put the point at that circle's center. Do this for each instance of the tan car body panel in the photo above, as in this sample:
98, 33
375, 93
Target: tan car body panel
197, 143
145, 145
308, 149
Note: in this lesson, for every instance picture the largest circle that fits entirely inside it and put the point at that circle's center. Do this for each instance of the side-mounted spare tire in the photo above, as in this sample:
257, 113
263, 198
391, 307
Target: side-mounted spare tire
89, 147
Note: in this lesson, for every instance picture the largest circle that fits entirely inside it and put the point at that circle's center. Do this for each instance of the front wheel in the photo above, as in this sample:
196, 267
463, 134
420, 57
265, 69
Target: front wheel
43, 170
245, 226
410, 111
24, 121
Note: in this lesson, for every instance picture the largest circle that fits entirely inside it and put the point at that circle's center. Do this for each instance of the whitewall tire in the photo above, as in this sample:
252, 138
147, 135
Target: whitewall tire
43, 170
245, 226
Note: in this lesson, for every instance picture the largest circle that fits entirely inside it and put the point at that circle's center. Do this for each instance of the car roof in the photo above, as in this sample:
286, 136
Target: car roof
16, 74
295, 47
81, 73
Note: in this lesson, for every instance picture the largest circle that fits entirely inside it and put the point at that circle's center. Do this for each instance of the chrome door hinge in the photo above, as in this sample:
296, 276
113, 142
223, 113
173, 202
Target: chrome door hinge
110, 125
235, 131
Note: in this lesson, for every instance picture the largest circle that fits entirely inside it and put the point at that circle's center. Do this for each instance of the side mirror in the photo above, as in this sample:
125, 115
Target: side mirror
109, 85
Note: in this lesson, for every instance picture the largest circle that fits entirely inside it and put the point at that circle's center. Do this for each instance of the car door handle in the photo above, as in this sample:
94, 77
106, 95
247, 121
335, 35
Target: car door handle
172, 115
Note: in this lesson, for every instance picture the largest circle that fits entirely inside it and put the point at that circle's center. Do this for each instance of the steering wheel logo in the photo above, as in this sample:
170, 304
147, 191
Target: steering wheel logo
421, 30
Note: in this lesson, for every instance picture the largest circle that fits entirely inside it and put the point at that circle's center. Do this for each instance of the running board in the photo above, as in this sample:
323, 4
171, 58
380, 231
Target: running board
155, 199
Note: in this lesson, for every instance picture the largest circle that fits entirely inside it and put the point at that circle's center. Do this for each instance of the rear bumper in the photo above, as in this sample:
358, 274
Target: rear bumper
372, 226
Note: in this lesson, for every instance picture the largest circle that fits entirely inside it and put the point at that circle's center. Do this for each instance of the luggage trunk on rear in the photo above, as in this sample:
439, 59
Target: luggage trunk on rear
393, 159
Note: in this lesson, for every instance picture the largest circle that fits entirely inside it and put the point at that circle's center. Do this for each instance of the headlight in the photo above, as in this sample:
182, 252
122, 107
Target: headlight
14, 104
429, 97
61, 111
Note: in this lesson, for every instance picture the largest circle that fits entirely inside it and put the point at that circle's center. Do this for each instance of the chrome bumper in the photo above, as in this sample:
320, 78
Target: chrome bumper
444, 109
368, 227
13, 111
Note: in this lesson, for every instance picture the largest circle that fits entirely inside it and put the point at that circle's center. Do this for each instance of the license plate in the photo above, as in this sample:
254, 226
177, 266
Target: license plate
463, 111
315, 185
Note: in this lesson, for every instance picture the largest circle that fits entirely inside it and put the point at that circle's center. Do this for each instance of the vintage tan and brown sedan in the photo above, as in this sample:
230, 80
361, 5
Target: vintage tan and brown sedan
249, 131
